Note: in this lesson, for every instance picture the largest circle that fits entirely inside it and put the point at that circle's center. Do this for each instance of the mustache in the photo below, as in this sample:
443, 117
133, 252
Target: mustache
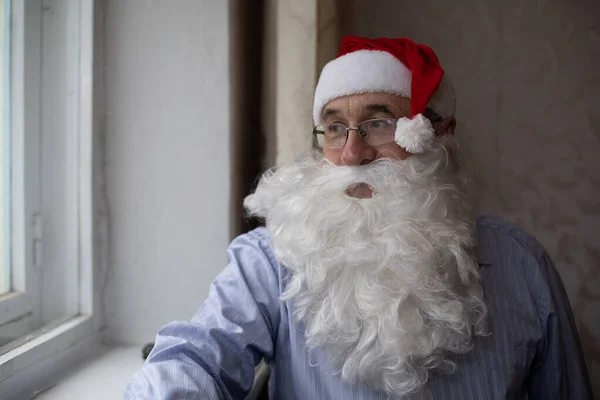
314, 174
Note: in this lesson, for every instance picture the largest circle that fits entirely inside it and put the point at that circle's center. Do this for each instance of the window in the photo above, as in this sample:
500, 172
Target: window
20, 178
46, 185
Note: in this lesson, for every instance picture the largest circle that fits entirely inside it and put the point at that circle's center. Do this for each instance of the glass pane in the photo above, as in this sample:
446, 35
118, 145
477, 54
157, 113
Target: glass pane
5, 281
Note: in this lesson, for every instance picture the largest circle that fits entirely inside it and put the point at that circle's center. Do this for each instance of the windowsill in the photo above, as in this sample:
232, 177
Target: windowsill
102, 376
105, 373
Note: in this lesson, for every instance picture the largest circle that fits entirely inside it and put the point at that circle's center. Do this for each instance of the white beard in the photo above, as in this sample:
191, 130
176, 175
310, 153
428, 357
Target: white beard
386, 286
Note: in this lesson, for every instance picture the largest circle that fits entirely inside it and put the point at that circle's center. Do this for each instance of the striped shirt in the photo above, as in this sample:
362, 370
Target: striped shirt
532, 353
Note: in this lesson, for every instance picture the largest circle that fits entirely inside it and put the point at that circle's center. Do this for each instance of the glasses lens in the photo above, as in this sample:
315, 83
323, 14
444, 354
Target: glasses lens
330, 135
378, 131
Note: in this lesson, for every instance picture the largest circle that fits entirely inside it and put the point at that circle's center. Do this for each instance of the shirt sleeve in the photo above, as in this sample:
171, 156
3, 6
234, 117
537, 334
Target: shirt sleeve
213, 356
559, 371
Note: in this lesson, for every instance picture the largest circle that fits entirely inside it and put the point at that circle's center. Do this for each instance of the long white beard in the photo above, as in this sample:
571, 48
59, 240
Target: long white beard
386, 286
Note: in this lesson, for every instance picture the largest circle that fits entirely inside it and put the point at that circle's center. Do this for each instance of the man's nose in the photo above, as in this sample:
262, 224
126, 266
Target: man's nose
357, 151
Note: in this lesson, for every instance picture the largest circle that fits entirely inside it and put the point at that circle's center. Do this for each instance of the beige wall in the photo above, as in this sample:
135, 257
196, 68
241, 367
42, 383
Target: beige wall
295, 75
299, 38
528, 83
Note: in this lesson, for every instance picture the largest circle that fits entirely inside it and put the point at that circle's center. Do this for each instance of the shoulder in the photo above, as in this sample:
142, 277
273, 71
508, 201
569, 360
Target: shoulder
519, 276
253, 253
257, 240
497, 235
516, 265
513, 257
258, 235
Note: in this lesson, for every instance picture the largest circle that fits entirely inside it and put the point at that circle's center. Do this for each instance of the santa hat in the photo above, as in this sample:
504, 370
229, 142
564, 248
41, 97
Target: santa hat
397, 66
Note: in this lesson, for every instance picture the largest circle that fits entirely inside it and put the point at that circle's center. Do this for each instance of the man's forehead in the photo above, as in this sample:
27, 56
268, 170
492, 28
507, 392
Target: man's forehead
372, 107
366, 103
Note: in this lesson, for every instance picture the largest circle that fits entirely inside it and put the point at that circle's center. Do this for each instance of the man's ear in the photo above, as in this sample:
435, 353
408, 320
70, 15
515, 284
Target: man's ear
445, 126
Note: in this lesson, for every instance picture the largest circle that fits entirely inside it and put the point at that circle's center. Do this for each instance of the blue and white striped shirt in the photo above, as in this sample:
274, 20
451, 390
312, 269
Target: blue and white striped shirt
532, 353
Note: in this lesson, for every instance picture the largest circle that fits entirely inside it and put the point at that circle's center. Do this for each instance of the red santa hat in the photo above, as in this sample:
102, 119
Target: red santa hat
397, 66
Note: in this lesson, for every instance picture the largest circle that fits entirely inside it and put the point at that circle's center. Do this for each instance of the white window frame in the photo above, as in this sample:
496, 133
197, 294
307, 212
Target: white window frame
25, 136
45, 104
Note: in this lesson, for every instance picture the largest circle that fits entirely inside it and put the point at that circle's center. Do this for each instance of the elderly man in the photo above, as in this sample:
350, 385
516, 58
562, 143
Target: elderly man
372, 278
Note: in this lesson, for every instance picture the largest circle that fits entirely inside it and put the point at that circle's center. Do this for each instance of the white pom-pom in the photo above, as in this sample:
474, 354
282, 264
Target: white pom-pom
414, 135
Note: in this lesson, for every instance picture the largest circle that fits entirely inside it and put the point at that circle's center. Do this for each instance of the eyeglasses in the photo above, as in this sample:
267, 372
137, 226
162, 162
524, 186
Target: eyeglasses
375, 132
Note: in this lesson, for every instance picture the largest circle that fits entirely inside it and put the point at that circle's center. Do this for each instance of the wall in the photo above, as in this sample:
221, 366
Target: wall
4, 271
167, 160
527, 80
295, 54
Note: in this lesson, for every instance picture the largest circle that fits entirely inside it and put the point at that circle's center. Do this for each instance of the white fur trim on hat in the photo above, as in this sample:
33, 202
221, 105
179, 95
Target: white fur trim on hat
372, 71
414, 135
363, 71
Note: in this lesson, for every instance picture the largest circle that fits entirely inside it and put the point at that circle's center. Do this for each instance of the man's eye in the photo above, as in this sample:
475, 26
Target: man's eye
380, 124
335, 128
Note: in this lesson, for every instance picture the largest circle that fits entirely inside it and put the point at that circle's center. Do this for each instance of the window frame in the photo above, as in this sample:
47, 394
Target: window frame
29, 362
25, 133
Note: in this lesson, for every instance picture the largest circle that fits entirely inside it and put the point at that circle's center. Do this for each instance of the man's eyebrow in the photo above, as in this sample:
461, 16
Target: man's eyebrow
381, 108
329, 112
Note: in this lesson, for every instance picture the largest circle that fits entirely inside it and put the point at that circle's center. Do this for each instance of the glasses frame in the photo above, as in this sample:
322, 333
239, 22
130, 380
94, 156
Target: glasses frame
361, 132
